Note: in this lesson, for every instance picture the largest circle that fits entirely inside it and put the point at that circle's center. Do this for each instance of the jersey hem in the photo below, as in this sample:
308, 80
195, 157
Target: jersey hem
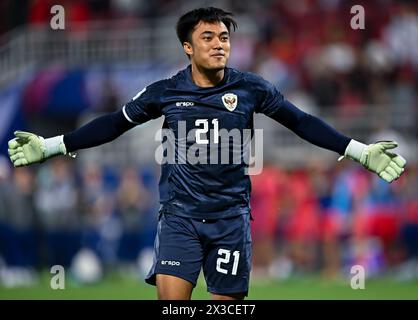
152, 279
233, 212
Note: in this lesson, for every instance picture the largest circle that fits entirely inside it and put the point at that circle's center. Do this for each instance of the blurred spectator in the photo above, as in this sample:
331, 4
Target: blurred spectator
407, 191
18, 234
348, 189
39, 12
400, 32
5, 173
266, 196
132, 200
101, 227
20, 220
110, 100
56, 199
301, 221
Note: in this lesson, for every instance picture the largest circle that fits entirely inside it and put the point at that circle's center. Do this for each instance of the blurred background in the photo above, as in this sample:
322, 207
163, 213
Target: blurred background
314, 217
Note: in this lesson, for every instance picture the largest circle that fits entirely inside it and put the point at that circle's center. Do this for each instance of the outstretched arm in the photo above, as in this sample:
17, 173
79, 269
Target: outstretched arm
310, 128
28, 148
99, 131
374, 157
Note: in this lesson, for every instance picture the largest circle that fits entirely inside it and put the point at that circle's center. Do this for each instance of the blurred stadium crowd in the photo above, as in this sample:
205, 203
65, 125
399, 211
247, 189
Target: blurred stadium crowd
311, 218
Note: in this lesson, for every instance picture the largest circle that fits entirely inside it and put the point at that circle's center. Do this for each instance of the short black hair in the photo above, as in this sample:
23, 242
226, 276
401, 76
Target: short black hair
189, 20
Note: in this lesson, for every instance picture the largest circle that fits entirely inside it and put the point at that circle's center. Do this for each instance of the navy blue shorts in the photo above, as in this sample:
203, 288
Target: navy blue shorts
222, 247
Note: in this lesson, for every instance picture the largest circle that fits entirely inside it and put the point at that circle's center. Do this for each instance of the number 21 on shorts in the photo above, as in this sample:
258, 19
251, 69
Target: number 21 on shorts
225, 257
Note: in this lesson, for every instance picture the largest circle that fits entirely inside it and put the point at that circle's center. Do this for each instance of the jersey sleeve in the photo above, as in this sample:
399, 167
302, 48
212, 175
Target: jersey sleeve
310, 128
268, 98
146, 105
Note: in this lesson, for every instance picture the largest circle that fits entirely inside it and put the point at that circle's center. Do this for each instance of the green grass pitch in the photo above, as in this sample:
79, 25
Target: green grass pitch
116, 287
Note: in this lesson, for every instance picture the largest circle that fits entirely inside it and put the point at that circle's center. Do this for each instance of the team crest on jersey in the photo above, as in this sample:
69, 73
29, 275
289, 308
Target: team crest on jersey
230, 101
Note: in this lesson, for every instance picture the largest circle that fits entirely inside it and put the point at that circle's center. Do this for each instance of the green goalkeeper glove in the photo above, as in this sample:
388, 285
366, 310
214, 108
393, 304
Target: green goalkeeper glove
28, 148
376, 158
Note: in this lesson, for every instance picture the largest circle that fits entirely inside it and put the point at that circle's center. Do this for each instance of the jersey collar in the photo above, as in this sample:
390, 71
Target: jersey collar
188, 72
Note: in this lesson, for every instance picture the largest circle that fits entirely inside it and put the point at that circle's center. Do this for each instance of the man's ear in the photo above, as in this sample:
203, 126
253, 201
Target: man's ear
188, 49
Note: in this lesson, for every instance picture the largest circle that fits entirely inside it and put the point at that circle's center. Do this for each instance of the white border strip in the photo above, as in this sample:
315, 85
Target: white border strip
127, 117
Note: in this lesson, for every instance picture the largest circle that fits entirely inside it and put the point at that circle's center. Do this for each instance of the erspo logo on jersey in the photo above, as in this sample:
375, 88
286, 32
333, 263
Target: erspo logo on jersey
184, 104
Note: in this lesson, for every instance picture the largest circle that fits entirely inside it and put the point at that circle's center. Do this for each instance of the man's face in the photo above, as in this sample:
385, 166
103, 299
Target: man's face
210, 46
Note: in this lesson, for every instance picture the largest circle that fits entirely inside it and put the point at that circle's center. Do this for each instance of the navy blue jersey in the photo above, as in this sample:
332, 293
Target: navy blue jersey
208, 190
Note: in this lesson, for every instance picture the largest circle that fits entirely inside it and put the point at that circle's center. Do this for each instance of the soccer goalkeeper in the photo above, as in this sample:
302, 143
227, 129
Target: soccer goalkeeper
204, 220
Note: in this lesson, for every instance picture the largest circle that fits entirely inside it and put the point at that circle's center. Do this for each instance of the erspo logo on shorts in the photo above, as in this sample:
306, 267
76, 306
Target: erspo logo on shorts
170, 263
